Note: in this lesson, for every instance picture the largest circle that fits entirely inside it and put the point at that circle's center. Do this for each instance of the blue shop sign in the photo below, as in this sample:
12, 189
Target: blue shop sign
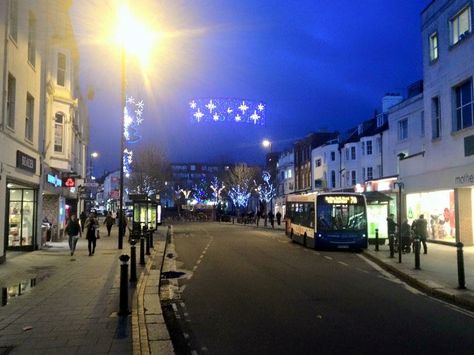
52, 179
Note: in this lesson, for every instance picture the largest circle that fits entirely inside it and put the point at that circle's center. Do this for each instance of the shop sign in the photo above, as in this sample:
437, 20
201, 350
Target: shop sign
466, 179
69, 182
54, 180
25, 162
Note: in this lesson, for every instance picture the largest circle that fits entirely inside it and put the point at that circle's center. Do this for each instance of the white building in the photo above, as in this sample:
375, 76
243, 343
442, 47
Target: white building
326, 166
438, 168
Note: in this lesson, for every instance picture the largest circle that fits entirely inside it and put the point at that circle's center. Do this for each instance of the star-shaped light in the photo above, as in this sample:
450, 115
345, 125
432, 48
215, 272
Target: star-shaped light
210, 106
198, 115
139, 113
238, 118
215, 117
139, 121
243, 107
255, 117
229, 110
140, 105
130, 100
260, 107
193, 104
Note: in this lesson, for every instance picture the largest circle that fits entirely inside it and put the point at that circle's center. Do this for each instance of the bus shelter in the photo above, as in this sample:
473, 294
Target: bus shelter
146, 212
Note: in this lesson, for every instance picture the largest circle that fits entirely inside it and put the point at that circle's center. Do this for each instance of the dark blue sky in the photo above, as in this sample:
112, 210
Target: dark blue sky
316, 64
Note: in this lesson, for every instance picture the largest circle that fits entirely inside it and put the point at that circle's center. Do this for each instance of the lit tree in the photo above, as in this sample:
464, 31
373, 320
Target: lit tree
217, 188
238, 181
266, 191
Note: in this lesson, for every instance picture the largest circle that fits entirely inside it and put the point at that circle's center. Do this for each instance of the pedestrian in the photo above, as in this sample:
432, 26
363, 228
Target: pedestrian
420, 228
278, 216
109, 222
271, 217
83, 218
391, 227
91, 226
74, 232
405, 231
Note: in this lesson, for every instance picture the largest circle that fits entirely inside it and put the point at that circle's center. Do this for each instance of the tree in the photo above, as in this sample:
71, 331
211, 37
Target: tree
238, 180
150, 170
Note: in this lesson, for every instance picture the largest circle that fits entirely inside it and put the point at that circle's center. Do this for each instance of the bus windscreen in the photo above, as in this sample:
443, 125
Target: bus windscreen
341, 213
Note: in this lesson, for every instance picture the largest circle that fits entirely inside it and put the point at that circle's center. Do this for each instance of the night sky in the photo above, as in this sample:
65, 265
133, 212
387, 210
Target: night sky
316, 64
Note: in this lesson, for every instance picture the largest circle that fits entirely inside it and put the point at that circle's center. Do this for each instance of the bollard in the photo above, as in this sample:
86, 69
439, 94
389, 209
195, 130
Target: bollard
133, 261
461, 278
147, 242
151, 239
390, 243
123, 311
376, 239
416, 243
142, 250
4, 296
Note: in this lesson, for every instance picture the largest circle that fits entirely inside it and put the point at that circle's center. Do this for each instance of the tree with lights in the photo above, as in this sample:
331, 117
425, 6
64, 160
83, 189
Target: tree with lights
238, 180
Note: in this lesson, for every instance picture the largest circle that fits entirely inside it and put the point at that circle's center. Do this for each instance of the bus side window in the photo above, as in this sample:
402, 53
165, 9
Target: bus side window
311, 216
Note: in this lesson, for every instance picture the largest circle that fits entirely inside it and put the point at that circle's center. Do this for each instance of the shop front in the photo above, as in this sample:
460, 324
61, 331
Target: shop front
21, 216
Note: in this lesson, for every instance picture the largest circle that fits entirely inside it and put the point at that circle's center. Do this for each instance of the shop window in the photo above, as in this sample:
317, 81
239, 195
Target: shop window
21, 217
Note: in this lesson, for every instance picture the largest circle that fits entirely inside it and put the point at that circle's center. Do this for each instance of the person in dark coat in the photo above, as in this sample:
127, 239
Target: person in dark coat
109, 222
74, 232
83, 218
391, 227
420, 228
92, 225
278, 216
271, 217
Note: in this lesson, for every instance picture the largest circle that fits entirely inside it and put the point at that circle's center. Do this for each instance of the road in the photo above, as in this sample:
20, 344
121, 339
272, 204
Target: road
251, 291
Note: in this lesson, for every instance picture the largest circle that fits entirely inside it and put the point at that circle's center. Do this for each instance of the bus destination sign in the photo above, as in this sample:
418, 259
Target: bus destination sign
341, 200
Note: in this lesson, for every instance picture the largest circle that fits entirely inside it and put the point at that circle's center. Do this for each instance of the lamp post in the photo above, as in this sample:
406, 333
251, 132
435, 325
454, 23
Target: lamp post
399, 218
133, 37
267, 144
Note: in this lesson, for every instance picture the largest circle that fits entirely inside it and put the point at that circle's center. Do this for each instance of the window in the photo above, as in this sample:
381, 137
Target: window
353, 177
317, 162
369, 147
464, 105
333, 156
363, 148
422, 123
379, 145
289, 173
403, 129
370, 173
31, 39
58, 132
347, 153
434, 46
11, 101
333, 178
347, 178
363, 173
460, 25
379, 170
61, 74
353, 153
30, 106
13, 19
436, 117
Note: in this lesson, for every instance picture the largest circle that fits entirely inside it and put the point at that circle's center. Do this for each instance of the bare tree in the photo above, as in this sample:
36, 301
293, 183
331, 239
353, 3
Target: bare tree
150, 170
240, 179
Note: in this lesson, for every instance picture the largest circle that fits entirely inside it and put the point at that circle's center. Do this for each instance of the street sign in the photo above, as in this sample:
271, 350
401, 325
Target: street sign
91, 184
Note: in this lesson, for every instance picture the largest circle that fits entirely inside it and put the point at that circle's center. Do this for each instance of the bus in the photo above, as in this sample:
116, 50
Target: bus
328, 220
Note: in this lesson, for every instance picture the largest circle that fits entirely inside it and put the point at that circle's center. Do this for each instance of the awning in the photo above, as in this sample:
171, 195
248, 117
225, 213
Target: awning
376, 196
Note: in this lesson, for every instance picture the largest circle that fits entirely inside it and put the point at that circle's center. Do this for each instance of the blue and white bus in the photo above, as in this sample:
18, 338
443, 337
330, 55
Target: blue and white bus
328, 220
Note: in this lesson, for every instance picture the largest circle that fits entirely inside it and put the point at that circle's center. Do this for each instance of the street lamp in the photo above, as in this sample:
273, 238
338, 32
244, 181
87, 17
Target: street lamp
136, 39
267, 144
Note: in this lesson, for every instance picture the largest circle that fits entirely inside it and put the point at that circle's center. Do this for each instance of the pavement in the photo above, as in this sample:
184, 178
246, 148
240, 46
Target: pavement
438, 274
63, 304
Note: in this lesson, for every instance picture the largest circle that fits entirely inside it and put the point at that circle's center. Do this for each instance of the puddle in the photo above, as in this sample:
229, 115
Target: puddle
12, 292
171, 274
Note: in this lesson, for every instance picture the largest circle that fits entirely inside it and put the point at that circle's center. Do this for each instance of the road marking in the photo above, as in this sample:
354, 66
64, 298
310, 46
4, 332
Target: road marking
175, 308
327, 257
198, 262
343, 263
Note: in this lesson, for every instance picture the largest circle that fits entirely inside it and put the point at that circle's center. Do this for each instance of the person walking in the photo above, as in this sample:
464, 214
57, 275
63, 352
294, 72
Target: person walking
91, 226
83, 218
271, 217
74, 232
420, 227
391, 227
278, 216
109, 222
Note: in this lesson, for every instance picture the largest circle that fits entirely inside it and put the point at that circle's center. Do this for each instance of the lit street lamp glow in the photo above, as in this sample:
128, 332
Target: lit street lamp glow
266, 143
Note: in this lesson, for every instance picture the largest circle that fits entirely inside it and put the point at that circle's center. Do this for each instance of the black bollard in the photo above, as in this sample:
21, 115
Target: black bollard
142, 250
123, 311
461, 278
376, 239
391, 246
4, 296
151, 239
417, 252
133, 261
147, 241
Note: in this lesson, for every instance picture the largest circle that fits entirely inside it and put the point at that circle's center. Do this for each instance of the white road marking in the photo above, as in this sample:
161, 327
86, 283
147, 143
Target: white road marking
327, 257
343, 263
